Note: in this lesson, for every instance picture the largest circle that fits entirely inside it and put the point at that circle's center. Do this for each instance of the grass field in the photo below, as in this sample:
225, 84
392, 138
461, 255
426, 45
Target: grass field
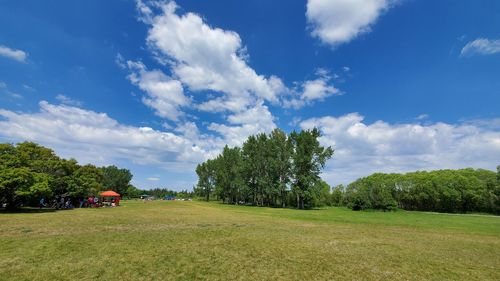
200, 241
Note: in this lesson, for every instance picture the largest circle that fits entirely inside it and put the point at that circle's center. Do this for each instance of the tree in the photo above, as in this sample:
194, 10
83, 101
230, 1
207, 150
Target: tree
8, 156
87, 180
464, 190
38, 158
337, 196
498, 174
250, 170
24, 172
133, 192
15, 184
29, 171
206, 177
262, 171
228, 174
281, 162
309, 158
321, 193
116, 179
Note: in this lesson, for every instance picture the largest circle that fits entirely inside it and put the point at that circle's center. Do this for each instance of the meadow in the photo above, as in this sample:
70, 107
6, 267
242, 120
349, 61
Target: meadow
172, 240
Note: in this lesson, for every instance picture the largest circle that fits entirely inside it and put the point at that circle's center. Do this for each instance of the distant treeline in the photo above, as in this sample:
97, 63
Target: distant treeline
160, 193
29, 171
273, 169
465, 190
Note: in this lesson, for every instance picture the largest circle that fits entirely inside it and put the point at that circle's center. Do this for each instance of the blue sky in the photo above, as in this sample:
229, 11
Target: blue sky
157, 87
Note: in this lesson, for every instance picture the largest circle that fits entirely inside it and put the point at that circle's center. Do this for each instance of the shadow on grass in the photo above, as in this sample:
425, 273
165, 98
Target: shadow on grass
28, 210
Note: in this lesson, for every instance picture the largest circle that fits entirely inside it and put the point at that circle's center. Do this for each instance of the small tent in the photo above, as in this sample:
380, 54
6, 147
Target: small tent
109, 193
112, 194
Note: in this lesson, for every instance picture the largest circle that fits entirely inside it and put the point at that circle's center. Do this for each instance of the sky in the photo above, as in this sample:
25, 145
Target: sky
160, 86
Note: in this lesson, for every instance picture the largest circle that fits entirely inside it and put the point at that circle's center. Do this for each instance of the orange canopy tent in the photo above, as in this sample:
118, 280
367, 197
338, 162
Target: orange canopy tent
109, 193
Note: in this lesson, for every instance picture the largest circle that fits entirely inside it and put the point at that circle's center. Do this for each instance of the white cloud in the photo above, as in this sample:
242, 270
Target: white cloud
362, 149
165, 95
206, 58
153, 179
339, 21
14, 54
311, 91
243, 124
481, 46
67, 100
210, 59
93, 137
318, 90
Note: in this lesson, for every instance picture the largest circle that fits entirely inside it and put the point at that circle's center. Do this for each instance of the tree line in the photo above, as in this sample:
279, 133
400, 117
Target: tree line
454, 191
29, 171
160, 193
275, 169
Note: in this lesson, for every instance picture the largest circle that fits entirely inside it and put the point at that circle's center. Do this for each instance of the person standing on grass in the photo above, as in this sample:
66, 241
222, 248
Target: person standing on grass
90, 202
81, 201
61, 202
96, 201
42, 202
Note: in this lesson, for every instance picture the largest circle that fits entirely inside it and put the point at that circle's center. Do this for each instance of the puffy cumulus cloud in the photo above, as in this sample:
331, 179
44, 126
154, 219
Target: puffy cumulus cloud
311, 91
93, 137
362, 149
339, 21
317, 90
14, 54
206, 58
481, 46
164, 94
243, 124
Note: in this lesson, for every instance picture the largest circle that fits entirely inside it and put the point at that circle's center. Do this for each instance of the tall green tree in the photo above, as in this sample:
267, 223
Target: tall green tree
228, 174
281, 150
250, 168
264, 179
309, 158
206, 178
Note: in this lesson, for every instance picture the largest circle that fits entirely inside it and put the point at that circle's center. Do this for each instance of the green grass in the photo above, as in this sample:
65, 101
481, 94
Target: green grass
209, 241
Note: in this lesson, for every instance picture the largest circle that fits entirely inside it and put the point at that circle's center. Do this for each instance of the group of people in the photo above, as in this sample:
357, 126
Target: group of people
65, 202
94, 202
59, 202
